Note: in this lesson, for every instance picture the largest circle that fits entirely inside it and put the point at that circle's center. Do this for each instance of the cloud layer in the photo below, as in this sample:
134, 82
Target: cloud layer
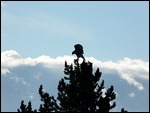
21, 78
128, 69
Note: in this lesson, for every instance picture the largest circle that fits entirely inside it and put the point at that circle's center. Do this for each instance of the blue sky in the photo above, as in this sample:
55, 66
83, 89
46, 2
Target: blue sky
107, 30
112, 33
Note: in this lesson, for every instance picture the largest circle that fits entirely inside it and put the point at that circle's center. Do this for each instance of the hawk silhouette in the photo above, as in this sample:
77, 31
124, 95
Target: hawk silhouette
78, 51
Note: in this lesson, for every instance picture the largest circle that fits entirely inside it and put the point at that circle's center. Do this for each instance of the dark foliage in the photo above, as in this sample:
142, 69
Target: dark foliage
78, 91
23, 107
82, 93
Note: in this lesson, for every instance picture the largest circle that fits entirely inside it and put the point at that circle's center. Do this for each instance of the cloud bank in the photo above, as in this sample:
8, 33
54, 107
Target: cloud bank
130, 70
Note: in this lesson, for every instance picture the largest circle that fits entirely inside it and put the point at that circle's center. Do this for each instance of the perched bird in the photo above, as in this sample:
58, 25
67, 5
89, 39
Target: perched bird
78, 51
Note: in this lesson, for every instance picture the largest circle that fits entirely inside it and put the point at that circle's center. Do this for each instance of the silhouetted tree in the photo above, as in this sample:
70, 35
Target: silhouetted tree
23, 107
78, 91
82, 93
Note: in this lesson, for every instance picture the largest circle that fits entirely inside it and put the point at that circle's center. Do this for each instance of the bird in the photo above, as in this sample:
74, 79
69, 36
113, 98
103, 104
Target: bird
78, 51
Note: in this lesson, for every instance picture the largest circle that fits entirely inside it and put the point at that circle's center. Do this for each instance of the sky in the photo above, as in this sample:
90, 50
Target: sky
38, 36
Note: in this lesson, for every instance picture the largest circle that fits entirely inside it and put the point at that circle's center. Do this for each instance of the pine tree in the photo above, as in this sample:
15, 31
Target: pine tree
78, 91
23, 107
82, 93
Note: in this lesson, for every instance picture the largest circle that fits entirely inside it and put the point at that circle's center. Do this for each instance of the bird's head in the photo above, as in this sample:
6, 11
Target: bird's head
73, 52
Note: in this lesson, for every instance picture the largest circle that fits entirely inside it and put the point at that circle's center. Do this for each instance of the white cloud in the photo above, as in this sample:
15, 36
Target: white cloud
103, 92
132, 81
11, 59
135, 67
128, 69
131, 94
23, 76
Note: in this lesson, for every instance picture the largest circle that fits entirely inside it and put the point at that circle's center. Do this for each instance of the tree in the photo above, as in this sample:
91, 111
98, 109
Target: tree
23, 107
78, 91
82, 93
